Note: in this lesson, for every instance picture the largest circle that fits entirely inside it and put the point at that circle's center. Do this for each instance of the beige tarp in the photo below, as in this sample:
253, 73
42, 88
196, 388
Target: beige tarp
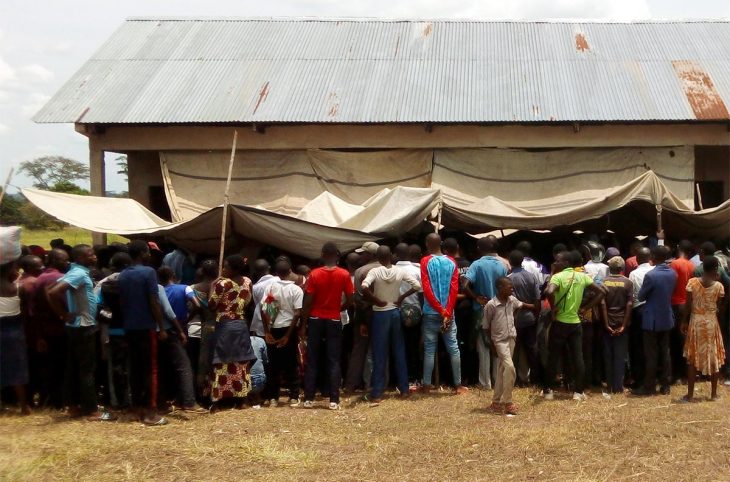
518, 175
296, 200
200, 234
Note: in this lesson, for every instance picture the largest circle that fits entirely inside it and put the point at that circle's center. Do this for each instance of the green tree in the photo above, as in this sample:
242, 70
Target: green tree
123, 166
69, 188
10, 214
48, 171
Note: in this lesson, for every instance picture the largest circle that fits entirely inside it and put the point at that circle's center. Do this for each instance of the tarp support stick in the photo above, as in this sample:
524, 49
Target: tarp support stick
224, 222
7, 183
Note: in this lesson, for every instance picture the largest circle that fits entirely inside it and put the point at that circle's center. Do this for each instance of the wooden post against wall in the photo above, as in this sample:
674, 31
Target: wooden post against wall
98, 180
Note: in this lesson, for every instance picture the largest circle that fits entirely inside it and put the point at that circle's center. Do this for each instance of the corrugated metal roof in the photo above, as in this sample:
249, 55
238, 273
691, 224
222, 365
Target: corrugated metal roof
379, 71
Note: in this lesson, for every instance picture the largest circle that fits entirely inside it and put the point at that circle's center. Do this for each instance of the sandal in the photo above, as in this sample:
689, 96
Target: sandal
159, 422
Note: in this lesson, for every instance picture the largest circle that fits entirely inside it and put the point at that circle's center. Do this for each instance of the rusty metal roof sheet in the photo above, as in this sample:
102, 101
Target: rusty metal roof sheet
381, 71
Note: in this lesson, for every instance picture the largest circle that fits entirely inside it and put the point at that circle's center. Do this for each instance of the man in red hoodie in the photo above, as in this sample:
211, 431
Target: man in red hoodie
440, 279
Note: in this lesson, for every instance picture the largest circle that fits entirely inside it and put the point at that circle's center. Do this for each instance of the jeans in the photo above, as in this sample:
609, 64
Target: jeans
175, 359
560, 335
431, 329
506, 374
387, 335
283, 362
360, 344
615, 349
143, 367
527, 340
656, 351
331, 331
79, 382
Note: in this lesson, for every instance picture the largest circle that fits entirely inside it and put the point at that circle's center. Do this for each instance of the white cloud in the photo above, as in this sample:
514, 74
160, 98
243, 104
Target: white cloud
34, 73
3, 129
34, 102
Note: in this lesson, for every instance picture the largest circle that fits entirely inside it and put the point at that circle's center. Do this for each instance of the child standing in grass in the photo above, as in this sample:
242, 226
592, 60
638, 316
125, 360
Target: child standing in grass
703, 347
499, 323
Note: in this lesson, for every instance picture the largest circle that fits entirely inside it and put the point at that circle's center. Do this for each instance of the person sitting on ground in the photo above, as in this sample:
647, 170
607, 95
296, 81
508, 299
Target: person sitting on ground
499, 322
616, 312
258, 371
704, 349
382, 287
281, 309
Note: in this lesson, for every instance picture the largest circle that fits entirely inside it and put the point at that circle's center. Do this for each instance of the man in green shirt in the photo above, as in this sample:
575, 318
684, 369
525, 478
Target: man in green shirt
565, 293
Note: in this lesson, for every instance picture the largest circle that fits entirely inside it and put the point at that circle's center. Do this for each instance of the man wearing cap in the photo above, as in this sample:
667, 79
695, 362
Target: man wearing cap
363, 315
616, 310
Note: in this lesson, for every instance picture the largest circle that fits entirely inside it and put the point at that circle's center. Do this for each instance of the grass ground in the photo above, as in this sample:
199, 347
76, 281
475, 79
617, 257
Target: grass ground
71, 235
435, 437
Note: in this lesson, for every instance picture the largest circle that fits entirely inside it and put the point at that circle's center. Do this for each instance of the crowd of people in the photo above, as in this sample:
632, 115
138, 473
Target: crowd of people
101, 330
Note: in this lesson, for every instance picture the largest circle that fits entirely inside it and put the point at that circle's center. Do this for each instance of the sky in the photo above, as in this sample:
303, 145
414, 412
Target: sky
43, 42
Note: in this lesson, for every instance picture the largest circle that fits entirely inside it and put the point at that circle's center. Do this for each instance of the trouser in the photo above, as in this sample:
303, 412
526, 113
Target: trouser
47, 378
356, 365
431, 326
467, 335
588, 352
636, 346
283, 364
174, 358
562, 335
193, 349
676, 345
656, 351
79, 383
143, 367
387, 335
527, 341
486, 367
331, 331
412, 339
615, 349
504, 380
118, 372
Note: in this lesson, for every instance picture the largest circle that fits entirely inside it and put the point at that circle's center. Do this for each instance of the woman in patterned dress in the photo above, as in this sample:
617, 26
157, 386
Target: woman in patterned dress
232, 354
703, 347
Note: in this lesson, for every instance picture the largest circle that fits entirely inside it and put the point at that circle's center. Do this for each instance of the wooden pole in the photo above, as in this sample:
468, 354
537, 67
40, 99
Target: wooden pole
699, 195
224, 222
438, 217
7, 183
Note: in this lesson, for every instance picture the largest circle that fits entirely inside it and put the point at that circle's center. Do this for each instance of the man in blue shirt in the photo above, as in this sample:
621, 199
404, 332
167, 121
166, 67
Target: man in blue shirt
80, 317
481, 279
142, 317
657, 322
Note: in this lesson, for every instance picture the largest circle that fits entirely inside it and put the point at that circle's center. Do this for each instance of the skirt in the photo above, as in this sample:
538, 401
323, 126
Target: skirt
13, 352
703, 348
229, 380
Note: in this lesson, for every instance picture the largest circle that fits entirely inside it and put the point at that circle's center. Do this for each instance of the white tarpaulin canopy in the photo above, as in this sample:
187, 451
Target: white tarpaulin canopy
295, 200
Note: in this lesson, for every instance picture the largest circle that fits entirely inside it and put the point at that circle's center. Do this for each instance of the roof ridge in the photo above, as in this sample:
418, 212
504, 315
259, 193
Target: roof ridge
418, 20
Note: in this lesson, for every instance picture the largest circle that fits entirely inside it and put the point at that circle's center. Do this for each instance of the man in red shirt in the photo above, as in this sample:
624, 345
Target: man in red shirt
631, 263
324, 293
685, 271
